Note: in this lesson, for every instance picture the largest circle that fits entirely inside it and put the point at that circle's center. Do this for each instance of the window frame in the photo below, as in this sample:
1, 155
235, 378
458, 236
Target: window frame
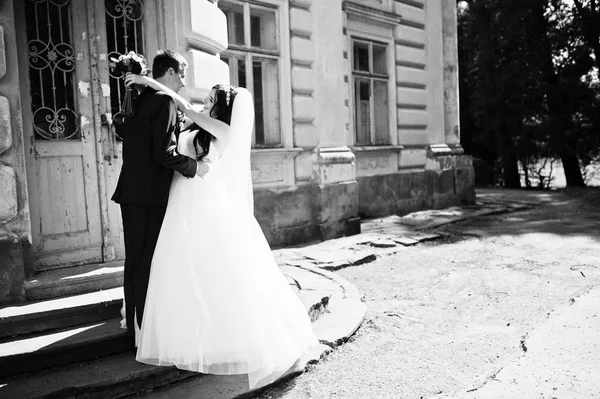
281, 54
363, 31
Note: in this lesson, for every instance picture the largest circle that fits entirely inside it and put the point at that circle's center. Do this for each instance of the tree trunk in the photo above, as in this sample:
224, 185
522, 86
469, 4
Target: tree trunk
572, 170
510, 168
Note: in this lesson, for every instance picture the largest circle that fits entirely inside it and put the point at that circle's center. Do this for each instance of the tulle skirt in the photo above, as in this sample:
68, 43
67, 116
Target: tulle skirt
217, 302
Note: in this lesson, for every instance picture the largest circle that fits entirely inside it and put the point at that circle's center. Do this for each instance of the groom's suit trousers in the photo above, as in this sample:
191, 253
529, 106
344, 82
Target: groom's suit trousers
141, 226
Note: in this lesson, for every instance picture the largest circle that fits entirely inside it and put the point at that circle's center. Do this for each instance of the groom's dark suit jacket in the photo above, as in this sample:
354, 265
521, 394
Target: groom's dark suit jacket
150, 151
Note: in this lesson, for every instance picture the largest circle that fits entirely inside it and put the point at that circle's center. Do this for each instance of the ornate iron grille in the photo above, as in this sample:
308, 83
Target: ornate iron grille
124, 23
51, 69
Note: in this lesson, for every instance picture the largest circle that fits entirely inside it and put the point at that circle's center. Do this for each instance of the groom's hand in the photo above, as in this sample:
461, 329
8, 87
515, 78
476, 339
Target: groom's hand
202, 168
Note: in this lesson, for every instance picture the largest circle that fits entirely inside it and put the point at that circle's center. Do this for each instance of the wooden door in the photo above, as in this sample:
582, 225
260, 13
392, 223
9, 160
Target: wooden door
121, 27
60, 132
73, 156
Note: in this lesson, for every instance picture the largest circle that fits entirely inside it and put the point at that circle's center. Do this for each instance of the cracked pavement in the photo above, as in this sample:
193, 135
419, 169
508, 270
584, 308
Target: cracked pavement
452, 317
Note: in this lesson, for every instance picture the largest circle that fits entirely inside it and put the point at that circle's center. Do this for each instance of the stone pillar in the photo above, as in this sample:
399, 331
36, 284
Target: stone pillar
450, 51
335, 189
450, 172
435, 76
14, 222
304, 108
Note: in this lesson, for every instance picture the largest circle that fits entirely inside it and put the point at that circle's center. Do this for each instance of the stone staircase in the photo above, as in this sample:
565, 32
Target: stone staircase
66, 341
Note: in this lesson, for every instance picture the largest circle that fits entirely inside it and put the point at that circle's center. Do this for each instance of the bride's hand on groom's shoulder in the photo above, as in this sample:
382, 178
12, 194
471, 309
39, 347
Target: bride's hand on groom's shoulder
202, 168
133, 79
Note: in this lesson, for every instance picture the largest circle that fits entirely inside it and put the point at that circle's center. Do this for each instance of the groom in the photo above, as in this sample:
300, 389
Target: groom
149, 159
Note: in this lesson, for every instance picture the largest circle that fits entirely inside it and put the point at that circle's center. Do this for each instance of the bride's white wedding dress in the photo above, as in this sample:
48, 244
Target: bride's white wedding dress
217, 302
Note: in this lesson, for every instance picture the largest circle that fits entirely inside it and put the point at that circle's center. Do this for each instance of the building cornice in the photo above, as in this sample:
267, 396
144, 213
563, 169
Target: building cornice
372, 14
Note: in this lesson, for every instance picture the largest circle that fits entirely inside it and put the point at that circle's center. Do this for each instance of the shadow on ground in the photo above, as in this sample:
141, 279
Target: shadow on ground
567, 213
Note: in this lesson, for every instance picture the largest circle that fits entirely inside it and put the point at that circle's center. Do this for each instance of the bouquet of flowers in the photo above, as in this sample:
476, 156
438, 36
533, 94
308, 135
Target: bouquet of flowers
134, 63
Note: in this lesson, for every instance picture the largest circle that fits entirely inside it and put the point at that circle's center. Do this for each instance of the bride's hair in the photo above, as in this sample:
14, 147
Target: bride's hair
221, 110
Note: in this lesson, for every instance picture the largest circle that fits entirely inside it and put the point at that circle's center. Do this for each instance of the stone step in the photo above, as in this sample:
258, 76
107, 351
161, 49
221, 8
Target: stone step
35, 317
81, 351
108, 377
60, 348
78, 338
74, 280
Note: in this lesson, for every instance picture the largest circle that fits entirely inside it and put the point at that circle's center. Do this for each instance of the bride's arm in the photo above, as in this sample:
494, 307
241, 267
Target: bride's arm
220, 130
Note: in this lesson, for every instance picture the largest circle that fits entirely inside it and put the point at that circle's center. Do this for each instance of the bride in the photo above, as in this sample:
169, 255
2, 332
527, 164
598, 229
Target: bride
217, 302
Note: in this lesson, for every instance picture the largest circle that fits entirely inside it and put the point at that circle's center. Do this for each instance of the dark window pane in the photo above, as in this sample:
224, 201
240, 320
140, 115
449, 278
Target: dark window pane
255, 31
361, 57
259, 123
241, 78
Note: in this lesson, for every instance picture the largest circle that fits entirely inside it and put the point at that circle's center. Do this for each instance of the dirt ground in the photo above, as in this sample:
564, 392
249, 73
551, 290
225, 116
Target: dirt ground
444, 317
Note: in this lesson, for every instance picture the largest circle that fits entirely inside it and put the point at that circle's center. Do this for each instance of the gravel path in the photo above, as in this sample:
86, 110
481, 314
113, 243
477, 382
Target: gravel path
445, 316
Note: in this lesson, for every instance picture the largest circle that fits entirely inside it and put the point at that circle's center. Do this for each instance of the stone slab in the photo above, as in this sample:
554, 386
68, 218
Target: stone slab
406, 241
383, 243
113, 376
76, 280
65, 312
62, 348
345, 317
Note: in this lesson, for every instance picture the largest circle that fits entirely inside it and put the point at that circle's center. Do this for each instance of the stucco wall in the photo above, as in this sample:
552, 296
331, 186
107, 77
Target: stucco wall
14, 223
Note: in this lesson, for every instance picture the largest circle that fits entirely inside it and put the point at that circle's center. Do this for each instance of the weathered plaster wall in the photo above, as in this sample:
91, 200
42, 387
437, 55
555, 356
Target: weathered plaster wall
425, 168
322, 200
14, 222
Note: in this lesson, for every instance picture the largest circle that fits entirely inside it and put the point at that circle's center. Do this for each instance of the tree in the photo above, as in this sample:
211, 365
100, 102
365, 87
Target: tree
526, 90
588, 14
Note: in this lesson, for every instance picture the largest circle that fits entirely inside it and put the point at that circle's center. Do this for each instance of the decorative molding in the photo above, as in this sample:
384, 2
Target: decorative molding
371, 14
410, 43
205, 44
268, 173
373, 163
375, 148
303, 4
273, 167
412, 3
413, 24
437, 150
334, 155
279, 152
413, 65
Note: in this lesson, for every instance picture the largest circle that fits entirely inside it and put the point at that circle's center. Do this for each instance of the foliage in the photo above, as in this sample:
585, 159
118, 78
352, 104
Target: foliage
527, 83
